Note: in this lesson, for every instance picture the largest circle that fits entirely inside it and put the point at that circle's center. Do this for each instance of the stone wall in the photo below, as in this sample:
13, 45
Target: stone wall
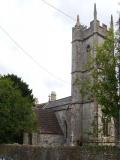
44, 140
18, 152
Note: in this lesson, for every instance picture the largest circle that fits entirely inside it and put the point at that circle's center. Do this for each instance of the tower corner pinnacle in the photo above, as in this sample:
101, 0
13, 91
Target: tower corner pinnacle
78, 22
111, 22
95, 12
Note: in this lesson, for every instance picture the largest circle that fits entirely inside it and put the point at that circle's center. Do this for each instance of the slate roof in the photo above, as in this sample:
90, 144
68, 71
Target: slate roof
47, 122
41, 105
57, 104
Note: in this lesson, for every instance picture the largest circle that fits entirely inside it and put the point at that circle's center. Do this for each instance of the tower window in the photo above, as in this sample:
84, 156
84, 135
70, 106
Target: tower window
88, 48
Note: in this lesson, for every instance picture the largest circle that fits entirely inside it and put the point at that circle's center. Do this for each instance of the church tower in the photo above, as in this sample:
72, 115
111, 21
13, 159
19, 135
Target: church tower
84, 40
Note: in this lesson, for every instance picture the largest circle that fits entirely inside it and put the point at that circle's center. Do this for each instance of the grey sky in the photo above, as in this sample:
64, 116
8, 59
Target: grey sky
46, 35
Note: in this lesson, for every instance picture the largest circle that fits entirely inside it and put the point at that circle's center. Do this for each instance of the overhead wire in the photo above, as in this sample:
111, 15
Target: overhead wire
29, 56
57, 9
26, 53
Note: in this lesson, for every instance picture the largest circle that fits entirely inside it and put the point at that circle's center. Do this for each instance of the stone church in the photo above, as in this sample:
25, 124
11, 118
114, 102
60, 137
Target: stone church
74, 120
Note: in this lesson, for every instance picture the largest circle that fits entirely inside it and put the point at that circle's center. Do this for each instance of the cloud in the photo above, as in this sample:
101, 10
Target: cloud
46, 35
3, 70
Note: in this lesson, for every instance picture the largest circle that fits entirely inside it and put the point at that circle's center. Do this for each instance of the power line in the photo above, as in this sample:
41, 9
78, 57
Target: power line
59, 10
29, 56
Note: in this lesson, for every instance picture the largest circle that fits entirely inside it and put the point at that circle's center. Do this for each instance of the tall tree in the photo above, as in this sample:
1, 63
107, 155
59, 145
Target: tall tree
105, 84
16, 112
102, 83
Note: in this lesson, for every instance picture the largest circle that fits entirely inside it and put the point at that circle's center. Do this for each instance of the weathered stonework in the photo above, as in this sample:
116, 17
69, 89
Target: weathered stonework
47, 140
84, 112
79, 118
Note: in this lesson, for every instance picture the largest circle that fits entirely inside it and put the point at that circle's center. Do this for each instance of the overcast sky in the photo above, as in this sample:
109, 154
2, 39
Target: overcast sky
35, 40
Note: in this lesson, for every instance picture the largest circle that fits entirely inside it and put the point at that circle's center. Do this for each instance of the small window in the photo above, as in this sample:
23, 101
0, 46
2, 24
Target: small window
88, 48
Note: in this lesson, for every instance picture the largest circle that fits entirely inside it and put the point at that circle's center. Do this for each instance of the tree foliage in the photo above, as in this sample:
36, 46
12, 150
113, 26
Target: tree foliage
101, 84
20, 84
105, 85
16, 113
